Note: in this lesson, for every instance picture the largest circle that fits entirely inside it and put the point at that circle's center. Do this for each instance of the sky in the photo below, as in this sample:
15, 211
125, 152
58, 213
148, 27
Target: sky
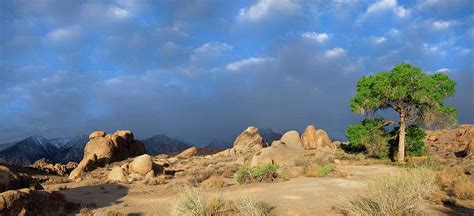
208, 69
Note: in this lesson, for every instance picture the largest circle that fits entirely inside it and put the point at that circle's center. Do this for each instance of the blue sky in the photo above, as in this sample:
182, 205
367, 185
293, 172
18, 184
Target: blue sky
207, 69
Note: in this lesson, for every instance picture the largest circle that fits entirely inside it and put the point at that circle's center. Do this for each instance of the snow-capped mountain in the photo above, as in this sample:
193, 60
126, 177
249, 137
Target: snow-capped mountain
161, 144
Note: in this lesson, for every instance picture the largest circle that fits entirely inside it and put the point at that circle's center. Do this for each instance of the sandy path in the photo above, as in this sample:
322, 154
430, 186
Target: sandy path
300, 196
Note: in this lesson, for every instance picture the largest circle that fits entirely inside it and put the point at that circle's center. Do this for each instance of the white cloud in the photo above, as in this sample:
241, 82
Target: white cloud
443, 70
213, 48
237, 66
319, 37
118, 12
386, 5
379, 40
393, 32
64, 34
335, 53
265, 8
443, 24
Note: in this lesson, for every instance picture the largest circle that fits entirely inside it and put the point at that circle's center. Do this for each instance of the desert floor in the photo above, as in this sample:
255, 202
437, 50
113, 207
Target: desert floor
299, 196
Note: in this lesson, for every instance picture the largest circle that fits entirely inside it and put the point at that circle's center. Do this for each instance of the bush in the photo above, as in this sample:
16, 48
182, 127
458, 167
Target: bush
318, 170
401, 193
263, 173
247, 206
194, 203
369, 135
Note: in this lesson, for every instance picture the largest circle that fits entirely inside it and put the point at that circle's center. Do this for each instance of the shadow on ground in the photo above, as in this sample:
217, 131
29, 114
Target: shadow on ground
96, 196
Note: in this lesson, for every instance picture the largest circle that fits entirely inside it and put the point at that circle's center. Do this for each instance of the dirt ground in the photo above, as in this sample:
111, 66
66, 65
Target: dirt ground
299, 196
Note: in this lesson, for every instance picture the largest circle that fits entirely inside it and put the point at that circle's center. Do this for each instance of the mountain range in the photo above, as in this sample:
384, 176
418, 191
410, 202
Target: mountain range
64, 149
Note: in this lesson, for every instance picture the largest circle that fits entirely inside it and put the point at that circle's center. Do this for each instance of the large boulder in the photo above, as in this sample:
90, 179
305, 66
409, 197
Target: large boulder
97, 134
102, 150
249, 141
117, 174
279, 153
291, 139
450, 143
316, 139
142, 164
188, 153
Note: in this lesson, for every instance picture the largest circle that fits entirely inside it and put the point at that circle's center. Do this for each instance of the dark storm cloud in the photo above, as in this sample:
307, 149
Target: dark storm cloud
203, 70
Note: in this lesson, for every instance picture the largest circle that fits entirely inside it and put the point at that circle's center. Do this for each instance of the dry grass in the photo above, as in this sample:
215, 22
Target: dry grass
401, 193
463, 189
453, 181
318, 170
194, 203
213, 182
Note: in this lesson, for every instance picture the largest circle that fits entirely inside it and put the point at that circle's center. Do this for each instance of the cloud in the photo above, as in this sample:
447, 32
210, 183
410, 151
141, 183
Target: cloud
249, 62
318, 37
265, 9
378, 40
443, 24
443, 70
386, 5
335, 53
64, 34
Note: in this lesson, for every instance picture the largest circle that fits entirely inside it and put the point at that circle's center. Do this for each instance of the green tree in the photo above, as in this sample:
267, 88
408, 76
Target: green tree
417, 97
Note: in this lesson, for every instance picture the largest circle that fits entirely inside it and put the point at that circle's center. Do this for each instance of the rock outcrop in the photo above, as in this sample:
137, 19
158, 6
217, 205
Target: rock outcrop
279, 153
316, 139
10, 180
452, 143
248, 141
102, 150
31, 202
291, 139
51, 168
141, 168
188, 153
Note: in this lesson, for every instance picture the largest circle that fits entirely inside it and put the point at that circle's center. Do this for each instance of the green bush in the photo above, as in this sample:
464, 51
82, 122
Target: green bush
371, 136
323, 170
263, 173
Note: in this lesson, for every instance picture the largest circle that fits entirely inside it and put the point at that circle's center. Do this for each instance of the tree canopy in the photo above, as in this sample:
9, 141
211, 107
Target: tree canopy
416, 96
407, 89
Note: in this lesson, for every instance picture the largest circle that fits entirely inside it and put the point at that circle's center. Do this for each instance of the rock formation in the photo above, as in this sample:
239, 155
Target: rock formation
291, 139
31, 202
188, 153
452, 143
10, 180
49, 167
107, 148
248, 141
316, 139
279, 153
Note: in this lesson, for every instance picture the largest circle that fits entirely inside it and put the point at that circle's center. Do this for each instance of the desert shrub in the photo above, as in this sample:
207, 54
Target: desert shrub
198, 175
193, 203
248, 206
318, 170
213, 182
369, 135
262, 173
400, 193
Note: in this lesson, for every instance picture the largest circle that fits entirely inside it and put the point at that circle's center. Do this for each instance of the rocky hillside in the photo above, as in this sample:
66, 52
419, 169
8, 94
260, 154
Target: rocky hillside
62, 150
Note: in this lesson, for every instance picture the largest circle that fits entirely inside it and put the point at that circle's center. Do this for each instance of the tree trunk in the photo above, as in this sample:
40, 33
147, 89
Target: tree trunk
401, 140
